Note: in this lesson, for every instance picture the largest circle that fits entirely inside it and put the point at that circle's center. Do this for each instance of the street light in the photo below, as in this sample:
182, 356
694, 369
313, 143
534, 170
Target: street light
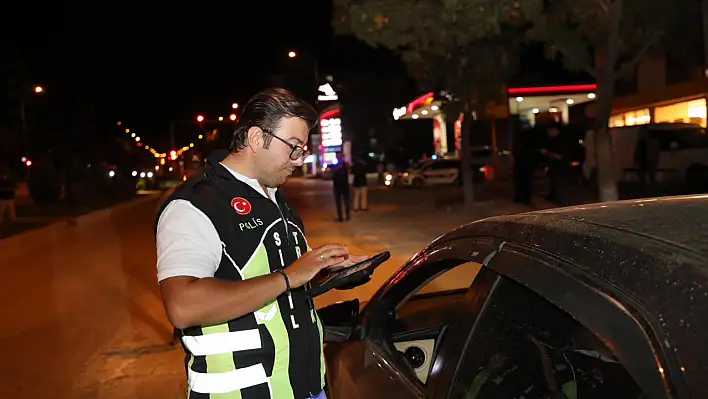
221, 118
232, 117
292, 54
200, 118
234, 105
39, 89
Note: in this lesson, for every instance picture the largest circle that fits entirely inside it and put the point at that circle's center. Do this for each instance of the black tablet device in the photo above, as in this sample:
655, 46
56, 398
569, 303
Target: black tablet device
348, 277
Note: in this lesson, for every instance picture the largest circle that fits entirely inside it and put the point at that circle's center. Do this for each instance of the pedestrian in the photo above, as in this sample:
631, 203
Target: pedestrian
8, 185
234, 265
524, 166
555, 150
646, 159
340, 183
359, 185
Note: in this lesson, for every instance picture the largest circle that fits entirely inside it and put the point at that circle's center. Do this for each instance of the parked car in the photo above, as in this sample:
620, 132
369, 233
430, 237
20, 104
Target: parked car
606, 300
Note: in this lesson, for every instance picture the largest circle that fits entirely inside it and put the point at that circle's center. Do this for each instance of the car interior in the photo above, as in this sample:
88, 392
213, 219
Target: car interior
419, 322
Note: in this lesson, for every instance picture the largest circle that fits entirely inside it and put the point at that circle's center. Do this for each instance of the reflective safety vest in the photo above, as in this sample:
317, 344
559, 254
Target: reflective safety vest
276, 351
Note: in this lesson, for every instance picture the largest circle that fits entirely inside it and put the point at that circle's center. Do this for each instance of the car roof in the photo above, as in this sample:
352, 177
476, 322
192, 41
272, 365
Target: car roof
653, 250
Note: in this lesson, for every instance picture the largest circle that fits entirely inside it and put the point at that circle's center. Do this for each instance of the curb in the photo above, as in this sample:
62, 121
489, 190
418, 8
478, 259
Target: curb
41, 237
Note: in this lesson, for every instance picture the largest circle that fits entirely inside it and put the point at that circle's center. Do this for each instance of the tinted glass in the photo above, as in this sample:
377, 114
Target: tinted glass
524, 346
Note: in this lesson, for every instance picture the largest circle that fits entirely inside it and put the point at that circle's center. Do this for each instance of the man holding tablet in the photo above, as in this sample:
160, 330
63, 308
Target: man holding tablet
234, 266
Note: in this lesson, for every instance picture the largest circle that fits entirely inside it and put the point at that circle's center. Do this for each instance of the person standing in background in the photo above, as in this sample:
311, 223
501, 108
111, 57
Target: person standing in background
340, 180
8, 185
359, 185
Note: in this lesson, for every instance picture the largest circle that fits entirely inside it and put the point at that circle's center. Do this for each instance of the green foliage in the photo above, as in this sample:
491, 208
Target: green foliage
467, 46
622, 31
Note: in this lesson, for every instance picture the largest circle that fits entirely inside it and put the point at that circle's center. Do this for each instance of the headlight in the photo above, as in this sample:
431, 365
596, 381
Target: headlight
389, 177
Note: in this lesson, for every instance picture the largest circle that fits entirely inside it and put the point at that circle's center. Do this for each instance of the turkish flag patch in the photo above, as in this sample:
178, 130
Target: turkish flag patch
241, 206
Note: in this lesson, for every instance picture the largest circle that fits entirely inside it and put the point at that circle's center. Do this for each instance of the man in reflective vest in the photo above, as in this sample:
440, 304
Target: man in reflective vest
234, 265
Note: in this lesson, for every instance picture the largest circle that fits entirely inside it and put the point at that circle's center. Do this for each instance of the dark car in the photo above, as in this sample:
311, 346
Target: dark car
607, 300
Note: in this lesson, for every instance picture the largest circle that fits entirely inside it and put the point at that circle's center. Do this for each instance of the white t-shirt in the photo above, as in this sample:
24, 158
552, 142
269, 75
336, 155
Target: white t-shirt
187, 241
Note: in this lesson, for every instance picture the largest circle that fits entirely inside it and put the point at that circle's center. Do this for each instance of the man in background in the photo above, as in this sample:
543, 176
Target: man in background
359, 185
340, 181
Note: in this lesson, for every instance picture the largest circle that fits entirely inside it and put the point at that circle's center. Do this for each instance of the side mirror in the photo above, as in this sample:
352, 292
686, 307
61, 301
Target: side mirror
339, 320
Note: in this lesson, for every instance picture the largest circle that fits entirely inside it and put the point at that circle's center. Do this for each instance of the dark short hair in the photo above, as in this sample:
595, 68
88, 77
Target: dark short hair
266, 110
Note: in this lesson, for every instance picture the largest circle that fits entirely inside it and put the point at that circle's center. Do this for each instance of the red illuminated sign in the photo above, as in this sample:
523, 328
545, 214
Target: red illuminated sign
420, 101
529, 91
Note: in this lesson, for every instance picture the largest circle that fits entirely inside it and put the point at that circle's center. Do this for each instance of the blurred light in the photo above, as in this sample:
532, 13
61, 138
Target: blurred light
142, 174
232, 117
519, 99
234, 105
171, 169
112, 173
424, 112
200, 137
137, 139
435, 108
415, 116
387, 182
553, 109
221, 118
157, 167
200, 118
292, 54
389, 177
133, 135
140, 144
38, 89
28, 162
147, 147
335, 161
120, 123
127, 130
434, 157
569, 101
134, 173
591, 95
191, 145
162, 161
24, 159
184, 178
173, 155
150, 175
536, 110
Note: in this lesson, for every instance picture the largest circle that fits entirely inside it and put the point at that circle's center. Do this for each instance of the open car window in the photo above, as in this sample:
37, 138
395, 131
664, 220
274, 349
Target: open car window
420, 320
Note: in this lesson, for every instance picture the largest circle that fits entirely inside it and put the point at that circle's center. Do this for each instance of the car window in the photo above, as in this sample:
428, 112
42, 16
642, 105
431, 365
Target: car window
524, 346
457, 278
431, 305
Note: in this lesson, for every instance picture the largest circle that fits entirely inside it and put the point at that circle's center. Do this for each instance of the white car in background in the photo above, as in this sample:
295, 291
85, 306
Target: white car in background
433, 172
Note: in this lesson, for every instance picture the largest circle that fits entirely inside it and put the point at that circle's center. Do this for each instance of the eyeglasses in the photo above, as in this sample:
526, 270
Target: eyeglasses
296, 151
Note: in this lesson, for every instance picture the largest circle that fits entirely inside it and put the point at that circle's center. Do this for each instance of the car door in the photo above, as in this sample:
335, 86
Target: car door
544, 333
399, 353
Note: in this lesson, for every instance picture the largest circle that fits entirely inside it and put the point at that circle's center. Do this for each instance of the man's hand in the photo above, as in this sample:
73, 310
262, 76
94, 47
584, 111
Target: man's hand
304, 269
350, 260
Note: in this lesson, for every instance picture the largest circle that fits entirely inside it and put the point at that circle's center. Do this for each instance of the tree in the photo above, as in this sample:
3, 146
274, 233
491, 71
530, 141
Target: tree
620, 33
468, 47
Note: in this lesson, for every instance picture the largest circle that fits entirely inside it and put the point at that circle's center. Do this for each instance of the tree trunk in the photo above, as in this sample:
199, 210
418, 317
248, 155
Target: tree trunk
604, 153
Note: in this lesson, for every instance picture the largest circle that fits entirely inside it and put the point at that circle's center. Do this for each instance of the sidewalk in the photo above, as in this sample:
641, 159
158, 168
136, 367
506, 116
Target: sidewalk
403, 229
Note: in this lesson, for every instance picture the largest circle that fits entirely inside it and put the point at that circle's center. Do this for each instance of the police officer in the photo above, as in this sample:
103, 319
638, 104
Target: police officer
234, 264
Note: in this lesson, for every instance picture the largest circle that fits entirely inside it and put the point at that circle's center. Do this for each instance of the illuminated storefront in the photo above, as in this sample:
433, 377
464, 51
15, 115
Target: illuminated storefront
631, 118
693, 111
536, 104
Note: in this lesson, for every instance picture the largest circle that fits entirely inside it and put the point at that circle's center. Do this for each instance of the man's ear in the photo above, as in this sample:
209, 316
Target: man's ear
254, 137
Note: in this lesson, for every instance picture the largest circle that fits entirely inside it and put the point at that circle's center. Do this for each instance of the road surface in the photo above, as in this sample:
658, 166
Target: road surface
82, 316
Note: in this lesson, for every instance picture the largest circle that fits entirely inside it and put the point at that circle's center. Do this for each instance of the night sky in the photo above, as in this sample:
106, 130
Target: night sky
147, 65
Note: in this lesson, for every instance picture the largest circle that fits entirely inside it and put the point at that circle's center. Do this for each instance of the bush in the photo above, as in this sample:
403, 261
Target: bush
44, 181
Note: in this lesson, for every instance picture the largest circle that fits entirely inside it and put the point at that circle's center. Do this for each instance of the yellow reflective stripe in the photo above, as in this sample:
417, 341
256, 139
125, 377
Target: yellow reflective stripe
270, 316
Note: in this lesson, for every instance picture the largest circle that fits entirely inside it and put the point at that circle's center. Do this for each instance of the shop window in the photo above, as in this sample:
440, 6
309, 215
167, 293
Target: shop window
632, 118
685, 112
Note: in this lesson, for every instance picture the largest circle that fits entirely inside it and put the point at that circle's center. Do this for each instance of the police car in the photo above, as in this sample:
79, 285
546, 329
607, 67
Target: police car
606, 300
